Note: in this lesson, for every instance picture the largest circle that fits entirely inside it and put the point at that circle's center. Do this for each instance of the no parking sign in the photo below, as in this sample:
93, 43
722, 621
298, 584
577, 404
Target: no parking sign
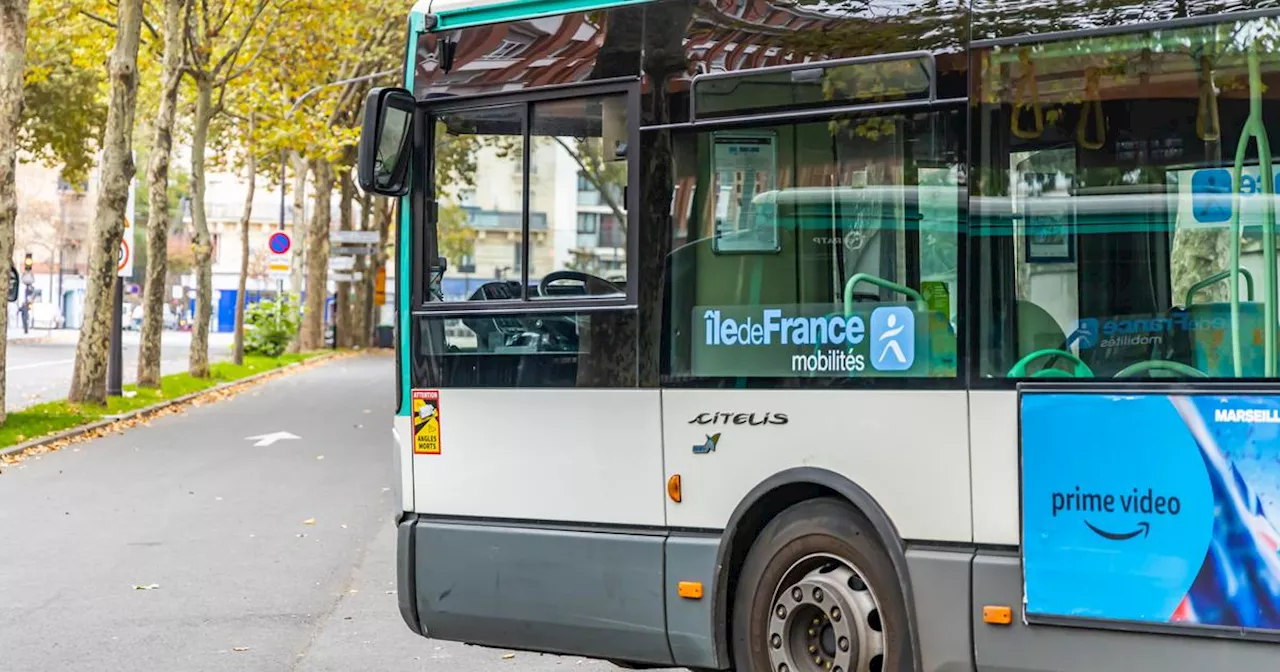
280, 263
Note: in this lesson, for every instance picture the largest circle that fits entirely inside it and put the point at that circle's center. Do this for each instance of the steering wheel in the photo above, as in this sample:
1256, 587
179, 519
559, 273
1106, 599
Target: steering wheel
586, 279
1019, 370
1161, 365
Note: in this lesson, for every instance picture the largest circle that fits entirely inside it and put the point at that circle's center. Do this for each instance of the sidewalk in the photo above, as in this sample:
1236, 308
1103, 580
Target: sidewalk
33, 336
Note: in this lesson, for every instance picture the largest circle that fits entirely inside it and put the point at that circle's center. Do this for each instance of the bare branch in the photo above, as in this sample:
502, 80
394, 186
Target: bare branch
266, 39
234, 51
150, 28
106, 22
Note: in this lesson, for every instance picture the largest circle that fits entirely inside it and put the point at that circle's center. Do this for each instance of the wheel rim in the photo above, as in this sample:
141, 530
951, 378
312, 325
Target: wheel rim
825, 618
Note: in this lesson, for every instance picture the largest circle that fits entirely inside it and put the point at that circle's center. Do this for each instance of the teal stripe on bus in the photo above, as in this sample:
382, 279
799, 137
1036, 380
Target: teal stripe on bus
519, 10
403, 231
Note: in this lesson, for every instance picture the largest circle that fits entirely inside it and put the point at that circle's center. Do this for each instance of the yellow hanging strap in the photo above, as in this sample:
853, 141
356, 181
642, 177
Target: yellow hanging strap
1208, 104
1027, 89
1092, 104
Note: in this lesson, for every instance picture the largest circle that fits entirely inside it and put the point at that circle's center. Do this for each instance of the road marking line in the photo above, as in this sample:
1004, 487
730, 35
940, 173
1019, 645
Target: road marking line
40, 364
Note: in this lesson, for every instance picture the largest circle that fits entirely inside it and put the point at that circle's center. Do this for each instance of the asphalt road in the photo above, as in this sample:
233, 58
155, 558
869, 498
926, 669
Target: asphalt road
39, 369
273, 558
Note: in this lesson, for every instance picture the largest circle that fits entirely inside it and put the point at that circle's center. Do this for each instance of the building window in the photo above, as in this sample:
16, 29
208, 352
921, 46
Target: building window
588, 222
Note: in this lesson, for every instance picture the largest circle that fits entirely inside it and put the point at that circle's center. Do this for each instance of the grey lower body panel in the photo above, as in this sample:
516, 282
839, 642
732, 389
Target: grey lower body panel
940, 588
612, 595
595, 594
997, 579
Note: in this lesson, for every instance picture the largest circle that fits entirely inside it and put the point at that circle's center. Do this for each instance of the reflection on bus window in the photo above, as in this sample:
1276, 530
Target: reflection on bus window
816, 253
526, 350
1108, 240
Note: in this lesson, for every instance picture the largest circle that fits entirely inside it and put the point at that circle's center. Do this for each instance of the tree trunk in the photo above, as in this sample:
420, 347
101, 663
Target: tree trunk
362, 311
299, 221
13, 48
238, 350
154, 293
317, 260
198, 361
342, 305
89, 380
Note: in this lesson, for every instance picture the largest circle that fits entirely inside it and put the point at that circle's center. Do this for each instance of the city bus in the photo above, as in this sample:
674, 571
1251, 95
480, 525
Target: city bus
807, 336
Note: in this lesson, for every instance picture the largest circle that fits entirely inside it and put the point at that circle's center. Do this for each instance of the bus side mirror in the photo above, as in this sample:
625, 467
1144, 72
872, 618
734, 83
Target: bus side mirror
386, 141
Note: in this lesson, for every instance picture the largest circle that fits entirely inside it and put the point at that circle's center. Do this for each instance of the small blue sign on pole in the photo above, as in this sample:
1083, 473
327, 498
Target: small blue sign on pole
279, 242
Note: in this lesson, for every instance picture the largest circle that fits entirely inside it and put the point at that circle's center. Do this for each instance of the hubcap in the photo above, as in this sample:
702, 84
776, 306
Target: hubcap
824, 618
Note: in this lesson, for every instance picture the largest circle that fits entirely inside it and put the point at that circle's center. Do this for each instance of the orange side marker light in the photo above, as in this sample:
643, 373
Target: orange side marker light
673, 488
691, 590
996, 615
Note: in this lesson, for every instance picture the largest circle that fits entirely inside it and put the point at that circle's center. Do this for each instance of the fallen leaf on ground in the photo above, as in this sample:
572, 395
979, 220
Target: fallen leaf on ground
508, 656
319, 457
149, 586
309, 521
239, 648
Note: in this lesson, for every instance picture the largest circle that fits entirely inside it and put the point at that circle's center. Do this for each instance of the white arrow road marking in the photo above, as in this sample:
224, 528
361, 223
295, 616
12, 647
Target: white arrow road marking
268, 439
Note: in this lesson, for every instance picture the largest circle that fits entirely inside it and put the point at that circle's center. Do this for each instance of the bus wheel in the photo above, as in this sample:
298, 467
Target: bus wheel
818, 594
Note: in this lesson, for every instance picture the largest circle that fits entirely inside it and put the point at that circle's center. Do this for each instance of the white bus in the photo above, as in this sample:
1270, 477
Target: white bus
838, 337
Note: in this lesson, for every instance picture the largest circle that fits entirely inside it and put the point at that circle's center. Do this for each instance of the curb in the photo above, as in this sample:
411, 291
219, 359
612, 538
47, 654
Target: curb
30, 340
146, 411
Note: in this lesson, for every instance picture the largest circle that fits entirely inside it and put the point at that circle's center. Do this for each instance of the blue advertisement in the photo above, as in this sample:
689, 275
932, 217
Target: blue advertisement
1152, 508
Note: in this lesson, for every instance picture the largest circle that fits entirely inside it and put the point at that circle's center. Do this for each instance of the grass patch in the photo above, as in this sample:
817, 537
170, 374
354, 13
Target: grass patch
56, 416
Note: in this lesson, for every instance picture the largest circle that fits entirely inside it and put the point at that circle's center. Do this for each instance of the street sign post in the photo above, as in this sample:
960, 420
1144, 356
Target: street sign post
337, 264
353, 238
124, 261
279, 261
124, 269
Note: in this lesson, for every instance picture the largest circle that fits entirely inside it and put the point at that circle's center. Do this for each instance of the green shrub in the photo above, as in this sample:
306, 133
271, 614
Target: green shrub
269, 326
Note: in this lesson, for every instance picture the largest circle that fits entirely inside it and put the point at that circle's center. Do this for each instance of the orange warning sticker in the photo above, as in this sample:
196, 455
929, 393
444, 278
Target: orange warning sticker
426, 422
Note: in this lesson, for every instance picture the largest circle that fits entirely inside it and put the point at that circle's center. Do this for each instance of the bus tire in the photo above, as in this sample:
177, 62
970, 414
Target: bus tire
818, 593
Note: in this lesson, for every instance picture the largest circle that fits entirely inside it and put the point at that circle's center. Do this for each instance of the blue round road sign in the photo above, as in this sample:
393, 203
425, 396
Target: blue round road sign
279, 242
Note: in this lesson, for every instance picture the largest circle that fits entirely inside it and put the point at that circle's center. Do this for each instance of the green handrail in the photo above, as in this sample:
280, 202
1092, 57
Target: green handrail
1218, 277
1019, 369
1161, 365
1254, 128
878, 282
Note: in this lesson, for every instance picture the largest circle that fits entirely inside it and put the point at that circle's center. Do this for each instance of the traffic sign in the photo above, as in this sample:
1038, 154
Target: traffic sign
124, 260
380, 287
279, 242
351, 251
341, 263
279, 268
353, 237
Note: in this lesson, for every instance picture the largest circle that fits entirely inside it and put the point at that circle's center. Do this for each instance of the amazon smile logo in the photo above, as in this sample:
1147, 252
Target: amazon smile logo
1097, 504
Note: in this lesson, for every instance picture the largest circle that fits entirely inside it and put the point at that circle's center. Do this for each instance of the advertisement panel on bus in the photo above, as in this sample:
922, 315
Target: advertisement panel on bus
1152, 508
